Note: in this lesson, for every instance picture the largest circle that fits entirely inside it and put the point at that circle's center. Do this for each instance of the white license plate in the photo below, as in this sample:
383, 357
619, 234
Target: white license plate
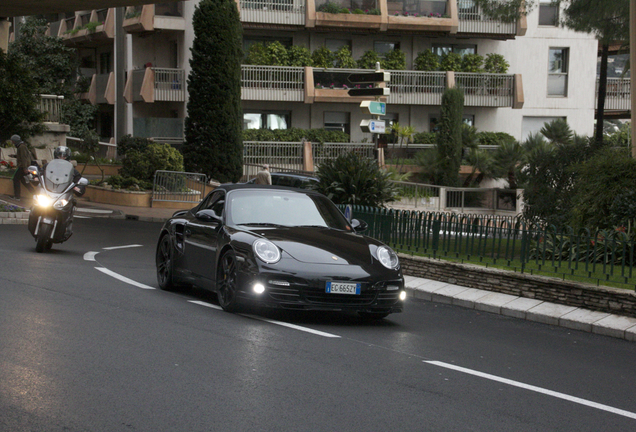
343, 288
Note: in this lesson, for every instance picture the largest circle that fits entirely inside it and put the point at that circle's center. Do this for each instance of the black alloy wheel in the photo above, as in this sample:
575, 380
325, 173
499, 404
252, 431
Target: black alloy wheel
163, 261
226, 282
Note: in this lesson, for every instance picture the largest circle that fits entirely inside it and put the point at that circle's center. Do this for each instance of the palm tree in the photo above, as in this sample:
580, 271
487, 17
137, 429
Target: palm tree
506, 160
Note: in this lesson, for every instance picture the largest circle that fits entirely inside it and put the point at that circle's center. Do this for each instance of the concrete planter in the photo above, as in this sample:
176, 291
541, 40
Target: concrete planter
118, 197
6, 186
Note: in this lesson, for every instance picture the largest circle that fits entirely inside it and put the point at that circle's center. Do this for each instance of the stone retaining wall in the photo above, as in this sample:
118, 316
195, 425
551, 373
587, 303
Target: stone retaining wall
604, 299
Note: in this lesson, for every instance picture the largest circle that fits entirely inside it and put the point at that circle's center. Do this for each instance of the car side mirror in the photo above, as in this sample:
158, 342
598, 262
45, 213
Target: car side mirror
359, 225
83, 182
208, 216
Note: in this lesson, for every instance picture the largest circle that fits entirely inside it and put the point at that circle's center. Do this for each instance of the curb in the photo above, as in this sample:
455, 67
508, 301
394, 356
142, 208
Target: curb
571, 317
14, 218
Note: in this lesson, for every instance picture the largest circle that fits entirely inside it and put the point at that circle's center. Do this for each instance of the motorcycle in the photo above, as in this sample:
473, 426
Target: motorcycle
51, 217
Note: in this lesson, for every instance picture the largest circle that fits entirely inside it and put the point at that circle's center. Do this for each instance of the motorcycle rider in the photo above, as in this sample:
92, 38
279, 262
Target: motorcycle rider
63, 152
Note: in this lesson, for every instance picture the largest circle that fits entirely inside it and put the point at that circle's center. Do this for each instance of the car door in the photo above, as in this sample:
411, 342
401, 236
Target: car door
201, 238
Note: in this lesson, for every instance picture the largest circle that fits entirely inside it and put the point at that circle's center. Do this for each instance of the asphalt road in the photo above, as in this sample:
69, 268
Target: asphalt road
87, 344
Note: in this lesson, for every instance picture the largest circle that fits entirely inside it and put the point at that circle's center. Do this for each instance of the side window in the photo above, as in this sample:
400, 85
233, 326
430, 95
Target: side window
215, 202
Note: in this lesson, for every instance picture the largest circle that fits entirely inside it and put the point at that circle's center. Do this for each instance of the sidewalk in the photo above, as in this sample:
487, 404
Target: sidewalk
424, 289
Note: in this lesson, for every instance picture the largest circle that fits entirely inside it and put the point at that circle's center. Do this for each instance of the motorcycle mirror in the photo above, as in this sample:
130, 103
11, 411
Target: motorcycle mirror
83, 182
33, 169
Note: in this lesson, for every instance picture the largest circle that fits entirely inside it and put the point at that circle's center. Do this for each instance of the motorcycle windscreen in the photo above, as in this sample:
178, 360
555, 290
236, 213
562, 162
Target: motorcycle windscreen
58, 175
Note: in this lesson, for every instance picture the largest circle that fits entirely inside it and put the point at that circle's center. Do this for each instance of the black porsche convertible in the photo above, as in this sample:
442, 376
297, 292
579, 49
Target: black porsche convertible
279, 247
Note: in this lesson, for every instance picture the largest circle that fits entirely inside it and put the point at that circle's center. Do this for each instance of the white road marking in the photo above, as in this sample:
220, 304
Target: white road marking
90, 210
122, 247
210, 305
292, 326
123, 278
90, 256
536, 389
280, 323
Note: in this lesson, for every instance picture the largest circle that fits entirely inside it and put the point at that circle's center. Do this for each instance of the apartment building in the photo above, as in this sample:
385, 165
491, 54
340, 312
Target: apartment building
552, 71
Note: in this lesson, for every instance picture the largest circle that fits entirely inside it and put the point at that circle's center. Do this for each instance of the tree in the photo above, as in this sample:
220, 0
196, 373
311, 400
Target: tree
18, 104
54, 68
213, 127
449, 139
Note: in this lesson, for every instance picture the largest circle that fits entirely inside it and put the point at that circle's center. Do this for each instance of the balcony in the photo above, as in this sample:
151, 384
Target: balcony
422, 15
363, 14
100, 89
273, 83
159, 128
151, 17
472, 20
51, 106
281, 12
314, 85
155, 85
618, 96
88, 29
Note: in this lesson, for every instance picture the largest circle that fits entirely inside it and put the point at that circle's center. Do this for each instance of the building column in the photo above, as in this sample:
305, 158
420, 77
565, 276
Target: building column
5, 27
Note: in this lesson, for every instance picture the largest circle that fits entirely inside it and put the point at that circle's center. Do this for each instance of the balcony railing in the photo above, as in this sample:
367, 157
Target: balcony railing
273, 83
473, 20
298, 84
156, 85
618, 96
150, 17
51, 106
168, 129
486, 90
421, 8
289, 12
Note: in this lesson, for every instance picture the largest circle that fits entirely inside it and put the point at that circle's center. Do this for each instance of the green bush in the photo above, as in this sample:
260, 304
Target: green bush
425, 138
129, 143
350, 179
128, 183
426, 61
449, 142
368, 60
394, 60
472, 63
329, 7
295, 135
299, 56
343, 58
142, 164
257, 54
322, 58
494, 138
496, 63
451, 62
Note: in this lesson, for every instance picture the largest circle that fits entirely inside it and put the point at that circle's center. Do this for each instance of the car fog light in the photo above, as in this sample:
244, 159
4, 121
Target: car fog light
259, 288
392, 287
402, 295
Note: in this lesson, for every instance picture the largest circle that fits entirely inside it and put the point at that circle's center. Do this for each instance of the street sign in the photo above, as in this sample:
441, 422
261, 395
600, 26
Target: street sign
373, 126
369, 77
376, 91
374, 108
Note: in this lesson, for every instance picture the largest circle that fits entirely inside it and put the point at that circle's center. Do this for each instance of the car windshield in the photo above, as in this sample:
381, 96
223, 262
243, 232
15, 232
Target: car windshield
282, 208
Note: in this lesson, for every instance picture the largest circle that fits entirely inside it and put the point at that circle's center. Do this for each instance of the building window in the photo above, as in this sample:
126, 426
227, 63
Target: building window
548, 14
558, 72
384, 47
266, 120
462, 49
337, 121
334, 45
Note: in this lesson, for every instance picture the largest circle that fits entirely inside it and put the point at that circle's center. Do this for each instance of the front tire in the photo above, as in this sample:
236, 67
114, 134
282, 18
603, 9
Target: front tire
227, 283
43, 238
163, 261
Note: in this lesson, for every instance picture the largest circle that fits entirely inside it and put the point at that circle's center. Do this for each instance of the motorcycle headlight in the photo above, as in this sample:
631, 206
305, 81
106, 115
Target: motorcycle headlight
43, 201
387, 257
59, 205
266, 251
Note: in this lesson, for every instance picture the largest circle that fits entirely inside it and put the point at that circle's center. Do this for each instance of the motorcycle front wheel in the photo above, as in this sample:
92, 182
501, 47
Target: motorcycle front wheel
43, 240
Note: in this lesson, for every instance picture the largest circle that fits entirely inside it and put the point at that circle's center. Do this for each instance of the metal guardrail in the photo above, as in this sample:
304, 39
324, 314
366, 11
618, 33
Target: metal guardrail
618, 95
486, 90
416, 87
173, 186
289, 12
606, 257
280, 83
170, 84
473, 20
326, 151
281, 154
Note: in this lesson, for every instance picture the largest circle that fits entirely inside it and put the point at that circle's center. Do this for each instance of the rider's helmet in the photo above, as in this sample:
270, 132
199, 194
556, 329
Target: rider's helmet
62, 152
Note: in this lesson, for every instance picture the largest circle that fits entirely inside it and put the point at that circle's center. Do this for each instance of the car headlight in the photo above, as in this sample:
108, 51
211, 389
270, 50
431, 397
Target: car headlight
387, 257
43, 200
266, 251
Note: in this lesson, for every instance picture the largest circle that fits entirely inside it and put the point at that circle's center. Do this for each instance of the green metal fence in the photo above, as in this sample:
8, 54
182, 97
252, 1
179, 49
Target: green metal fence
605, 257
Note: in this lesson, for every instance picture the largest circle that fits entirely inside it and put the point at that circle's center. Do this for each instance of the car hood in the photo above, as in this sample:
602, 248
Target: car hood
321, 245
